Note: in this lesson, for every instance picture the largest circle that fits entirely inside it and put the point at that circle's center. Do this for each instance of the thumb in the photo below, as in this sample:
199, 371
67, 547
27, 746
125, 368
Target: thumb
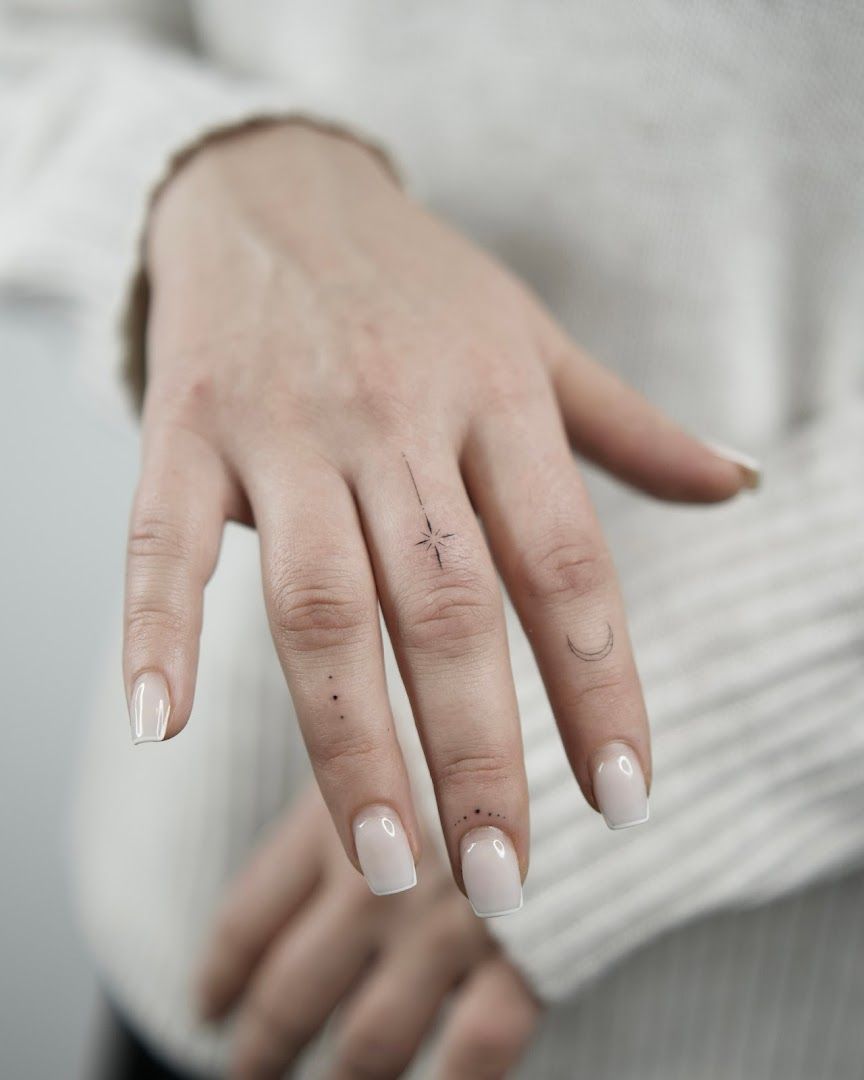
616, 427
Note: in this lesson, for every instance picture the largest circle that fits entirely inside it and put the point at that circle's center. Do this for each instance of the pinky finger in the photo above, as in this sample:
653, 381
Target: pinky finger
175, 532
616, 427
489, 1028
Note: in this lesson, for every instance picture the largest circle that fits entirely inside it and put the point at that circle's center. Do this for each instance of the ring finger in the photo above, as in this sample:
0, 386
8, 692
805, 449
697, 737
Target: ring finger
551, 553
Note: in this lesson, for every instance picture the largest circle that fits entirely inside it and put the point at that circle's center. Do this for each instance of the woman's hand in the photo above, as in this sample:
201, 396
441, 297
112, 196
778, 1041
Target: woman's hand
300, 935
330, 363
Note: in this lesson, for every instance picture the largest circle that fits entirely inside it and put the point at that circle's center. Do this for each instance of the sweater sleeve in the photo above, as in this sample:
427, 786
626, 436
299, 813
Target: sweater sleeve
92, 115
748, 626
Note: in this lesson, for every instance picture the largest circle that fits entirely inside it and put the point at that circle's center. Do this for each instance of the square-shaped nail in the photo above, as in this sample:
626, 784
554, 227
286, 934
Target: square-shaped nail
383, 851
619, 786
490, 871
149, 708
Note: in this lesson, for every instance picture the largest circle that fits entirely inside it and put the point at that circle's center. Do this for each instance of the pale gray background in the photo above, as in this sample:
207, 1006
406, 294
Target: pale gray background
67, 473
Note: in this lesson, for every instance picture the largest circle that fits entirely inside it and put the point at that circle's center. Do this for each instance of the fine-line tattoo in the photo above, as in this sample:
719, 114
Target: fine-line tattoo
433, 539
479, 812
598, 654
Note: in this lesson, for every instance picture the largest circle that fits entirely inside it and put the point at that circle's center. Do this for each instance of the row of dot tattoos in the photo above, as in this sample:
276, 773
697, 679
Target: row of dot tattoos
477, 811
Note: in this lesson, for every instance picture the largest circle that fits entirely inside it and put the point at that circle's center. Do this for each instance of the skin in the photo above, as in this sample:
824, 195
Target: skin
299, 934
312, 332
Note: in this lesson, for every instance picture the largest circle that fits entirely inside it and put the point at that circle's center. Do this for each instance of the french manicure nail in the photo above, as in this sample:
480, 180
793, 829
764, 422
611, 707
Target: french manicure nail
751, 470
619, 786
383, 851
149, 708
490, 871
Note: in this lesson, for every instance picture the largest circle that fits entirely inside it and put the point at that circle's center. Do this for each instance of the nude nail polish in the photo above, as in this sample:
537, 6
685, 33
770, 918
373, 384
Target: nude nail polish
490, 871
149, 708
751, 470
383, 851
619, 786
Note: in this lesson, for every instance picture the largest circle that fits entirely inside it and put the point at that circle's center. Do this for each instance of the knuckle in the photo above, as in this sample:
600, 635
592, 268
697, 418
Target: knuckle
193, 395
481, 770
451, 617
564, 565
367, 1053
383, 401
155, 534
342, 754
147, 618
318, 613
487, 1050
602, 690
184, 386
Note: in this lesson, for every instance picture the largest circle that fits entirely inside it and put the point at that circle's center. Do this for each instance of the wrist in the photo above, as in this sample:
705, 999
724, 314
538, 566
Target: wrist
281, 171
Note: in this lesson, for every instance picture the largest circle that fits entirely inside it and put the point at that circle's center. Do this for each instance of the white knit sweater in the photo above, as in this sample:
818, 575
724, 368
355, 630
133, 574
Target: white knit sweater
685, 188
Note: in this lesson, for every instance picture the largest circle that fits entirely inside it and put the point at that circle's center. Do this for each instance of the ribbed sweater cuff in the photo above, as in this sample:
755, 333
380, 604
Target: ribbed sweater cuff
748, 628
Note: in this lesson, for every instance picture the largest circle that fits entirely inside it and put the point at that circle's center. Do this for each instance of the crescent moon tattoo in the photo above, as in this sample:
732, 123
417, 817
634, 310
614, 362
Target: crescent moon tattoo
598, 654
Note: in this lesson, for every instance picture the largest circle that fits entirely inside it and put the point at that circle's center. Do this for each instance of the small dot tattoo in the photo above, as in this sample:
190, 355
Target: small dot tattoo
335, 697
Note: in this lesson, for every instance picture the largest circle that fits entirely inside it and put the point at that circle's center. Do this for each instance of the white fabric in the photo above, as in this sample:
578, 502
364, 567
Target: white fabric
684, 189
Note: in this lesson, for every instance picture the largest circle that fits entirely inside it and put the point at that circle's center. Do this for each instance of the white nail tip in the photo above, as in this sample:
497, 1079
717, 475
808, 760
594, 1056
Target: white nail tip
750, 467
383, 851
149, 708
399, 888
630, 824
619, 787
497, 914
490, 871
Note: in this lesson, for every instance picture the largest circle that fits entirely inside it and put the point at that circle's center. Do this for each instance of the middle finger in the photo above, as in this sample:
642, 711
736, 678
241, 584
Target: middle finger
443, 609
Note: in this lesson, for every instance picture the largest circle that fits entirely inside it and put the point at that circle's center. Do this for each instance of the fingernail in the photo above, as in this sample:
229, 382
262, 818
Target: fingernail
751, 470
149, 708
619, 786
383, 851
490, 871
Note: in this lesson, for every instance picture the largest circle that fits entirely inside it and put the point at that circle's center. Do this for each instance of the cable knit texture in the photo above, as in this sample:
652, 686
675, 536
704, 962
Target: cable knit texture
685, 193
